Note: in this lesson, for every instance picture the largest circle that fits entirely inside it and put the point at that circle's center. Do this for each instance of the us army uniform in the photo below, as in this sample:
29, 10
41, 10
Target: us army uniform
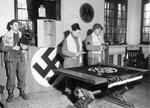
94, 46
15, 64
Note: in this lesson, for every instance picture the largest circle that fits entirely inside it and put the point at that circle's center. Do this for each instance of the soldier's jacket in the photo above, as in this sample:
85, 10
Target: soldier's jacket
6, 46
95, 49
69, 48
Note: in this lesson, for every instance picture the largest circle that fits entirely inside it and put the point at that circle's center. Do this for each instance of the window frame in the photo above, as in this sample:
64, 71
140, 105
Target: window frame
27, 21
111, 39
25, 24
142, 23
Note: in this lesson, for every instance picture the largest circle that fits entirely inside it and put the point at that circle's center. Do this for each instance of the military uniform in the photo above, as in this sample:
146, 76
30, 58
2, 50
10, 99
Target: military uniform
72, 50
14, 63
71, 46
95, 49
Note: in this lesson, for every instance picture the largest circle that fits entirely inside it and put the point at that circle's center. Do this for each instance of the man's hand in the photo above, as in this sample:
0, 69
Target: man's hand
79, 53
23, 46
103, 47
16, 47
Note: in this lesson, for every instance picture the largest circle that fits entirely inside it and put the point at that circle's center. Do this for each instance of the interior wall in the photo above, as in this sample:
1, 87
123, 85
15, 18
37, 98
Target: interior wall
70, 13
6, 14
134, 22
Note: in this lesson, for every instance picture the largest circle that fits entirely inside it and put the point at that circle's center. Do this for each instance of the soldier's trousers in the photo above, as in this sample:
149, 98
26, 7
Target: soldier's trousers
14, 69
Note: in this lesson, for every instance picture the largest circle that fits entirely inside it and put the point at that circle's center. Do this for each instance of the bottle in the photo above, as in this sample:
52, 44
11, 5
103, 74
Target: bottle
41, 11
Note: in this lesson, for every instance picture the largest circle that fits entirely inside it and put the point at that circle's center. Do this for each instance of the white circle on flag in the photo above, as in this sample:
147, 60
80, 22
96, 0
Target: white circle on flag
37, 59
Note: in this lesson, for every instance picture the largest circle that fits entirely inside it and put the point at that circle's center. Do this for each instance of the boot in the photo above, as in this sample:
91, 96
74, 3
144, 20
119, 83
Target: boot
10, 96
23, 94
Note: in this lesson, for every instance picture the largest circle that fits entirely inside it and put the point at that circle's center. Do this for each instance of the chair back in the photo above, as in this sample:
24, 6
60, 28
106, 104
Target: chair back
134, 58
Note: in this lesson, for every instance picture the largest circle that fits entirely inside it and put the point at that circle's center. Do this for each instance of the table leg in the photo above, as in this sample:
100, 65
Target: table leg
118, 98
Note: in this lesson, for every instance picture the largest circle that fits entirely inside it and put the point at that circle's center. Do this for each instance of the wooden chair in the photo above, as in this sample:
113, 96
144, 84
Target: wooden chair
134, 58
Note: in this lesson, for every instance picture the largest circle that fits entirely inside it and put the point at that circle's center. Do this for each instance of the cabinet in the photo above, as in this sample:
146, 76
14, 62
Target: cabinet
46, 33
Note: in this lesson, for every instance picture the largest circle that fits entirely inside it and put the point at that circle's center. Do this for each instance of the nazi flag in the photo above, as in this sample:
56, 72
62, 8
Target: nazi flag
43, 63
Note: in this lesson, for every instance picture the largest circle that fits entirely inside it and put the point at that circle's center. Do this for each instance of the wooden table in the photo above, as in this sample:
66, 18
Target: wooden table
110, 75
83, 73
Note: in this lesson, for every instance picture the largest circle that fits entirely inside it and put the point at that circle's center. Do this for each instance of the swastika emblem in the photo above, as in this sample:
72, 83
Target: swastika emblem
43, 63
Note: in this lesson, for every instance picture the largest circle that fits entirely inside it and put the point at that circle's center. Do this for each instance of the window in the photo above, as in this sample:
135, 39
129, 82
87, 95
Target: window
22, 15
115, 21
145, 23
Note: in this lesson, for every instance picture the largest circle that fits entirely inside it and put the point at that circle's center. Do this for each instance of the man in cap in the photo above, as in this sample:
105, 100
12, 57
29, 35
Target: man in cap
72, 50
95, 45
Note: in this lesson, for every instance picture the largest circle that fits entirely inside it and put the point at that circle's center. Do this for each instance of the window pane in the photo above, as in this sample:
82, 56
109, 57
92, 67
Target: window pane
111, 21
22, 4
123, 7
108, 30
147, 22
107, 5
123, 22
119, 14
146, 38
146, 30
119, 38
111, 6
119, 7
107, 13
118, 22
147, 7
120, 30
22, 14
105, 23
123, 15
112, 30
146, 14
111, 13
124, 30
110, 37
108, 21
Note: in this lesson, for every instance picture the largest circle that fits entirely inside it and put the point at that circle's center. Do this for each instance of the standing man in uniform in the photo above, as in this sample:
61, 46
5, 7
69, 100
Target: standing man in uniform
14, 60
72, 50
95, 45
